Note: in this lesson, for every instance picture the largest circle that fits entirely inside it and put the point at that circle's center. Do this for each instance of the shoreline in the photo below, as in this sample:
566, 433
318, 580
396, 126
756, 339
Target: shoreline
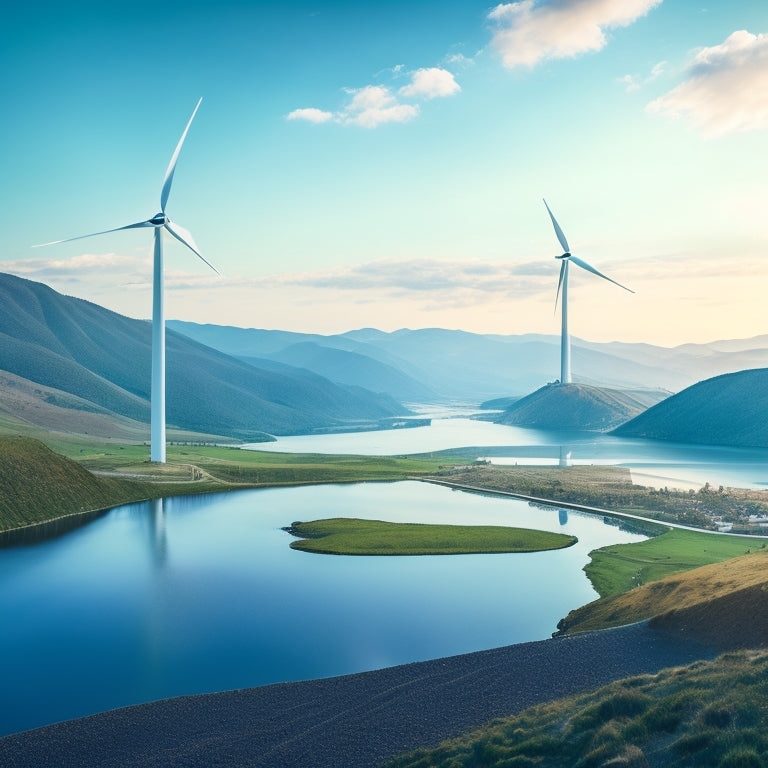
354, 721
585, 508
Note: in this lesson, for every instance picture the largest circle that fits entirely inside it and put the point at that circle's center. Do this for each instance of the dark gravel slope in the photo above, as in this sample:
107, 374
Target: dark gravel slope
356, 721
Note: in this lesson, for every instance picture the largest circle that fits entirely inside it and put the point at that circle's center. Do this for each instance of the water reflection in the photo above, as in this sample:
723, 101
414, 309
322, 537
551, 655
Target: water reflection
196, 594
652, 462
158, 541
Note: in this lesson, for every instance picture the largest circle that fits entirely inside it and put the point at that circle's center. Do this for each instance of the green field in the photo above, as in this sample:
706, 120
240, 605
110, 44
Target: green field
620, 567
71, 475
346, 536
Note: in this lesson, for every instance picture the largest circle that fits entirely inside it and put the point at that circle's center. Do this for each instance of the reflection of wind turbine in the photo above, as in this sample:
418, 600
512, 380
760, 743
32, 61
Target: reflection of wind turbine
562, 286
159, 222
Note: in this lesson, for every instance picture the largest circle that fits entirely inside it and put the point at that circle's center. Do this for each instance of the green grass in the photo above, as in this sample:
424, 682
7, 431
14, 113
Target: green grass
77, 474
345, 536
37, 485
706, 715
620, 567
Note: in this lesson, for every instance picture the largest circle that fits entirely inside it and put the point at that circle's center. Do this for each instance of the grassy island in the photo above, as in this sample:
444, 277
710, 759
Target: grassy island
348, 536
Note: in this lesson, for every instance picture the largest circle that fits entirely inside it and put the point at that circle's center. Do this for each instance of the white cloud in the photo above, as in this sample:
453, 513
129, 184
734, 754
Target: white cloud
374, 104
430, 83
633, 83
73, 268
527, 32
430, 276
459, 58
727, 87
310, 114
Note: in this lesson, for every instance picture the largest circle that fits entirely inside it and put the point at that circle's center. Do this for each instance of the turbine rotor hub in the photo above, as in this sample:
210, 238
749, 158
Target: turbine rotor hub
566, 255
159, 219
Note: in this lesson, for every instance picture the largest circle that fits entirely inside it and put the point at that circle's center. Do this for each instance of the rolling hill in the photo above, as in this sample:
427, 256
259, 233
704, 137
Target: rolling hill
577, 407
731, 409
75, 349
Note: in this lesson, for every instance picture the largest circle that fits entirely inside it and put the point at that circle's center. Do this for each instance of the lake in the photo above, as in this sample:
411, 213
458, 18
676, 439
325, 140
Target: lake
652, 462
198, 594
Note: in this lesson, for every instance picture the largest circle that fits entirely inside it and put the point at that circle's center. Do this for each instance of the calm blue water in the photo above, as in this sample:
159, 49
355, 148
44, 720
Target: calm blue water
200, 594
652, 462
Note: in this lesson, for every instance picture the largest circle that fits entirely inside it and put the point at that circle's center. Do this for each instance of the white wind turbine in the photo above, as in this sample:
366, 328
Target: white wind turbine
565, 339
159, 222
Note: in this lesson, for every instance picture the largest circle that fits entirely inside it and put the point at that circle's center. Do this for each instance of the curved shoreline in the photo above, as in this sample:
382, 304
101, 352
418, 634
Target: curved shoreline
354, 721
584, 508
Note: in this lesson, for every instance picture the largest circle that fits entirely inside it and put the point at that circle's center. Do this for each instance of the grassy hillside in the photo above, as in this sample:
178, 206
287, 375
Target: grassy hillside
706, 715
84, 474
725, 410
709, 714
574, 406
37, 485
734, 565
83, 350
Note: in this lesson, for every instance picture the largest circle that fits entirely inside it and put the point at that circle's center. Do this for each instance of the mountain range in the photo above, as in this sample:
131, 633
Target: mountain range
58, 352
435, 364
70, 365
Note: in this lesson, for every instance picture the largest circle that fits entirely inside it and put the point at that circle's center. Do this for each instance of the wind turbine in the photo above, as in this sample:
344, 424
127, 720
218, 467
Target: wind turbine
562, 285
159, 222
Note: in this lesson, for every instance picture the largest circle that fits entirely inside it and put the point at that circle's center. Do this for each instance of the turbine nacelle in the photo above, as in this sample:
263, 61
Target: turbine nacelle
159, 220
564, 256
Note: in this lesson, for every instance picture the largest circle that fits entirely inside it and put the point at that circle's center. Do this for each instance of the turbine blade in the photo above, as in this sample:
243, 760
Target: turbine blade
185, 237
168, 180
560, 282
93, 234
584, 265
558, 231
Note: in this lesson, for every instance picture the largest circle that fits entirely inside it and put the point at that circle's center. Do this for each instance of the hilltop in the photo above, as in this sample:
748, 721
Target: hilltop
577, 407
725, 410
60, 354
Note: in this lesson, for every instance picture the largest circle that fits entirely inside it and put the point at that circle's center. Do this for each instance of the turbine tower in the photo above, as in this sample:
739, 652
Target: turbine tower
562, 286
159, 222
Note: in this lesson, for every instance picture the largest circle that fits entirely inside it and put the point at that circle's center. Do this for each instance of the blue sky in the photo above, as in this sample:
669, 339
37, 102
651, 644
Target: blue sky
358, 164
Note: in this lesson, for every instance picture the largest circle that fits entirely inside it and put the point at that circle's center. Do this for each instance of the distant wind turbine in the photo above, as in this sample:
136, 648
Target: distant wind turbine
159, 222
562, 285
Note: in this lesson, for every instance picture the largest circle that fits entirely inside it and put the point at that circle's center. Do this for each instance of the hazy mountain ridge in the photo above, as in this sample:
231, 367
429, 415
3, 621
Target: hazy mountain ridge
79, 348
730, 409
457, 365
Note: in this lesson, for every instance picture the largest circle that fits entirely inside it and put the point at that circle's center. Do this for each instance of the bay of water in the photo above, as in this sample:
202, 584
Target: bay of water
196, 594
655, 463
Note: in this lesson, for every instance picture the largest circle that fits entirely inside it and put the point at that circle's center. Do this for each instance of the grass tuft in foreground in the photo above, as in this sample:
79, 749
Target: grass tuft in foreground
347, 536
706, 715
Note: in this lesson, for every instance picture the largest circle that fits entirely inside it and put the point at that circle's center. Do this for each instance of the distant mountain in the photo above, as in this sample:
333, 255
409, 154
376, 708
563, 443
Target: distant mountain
345, 367
731, 409
576, 407
76, 348
456, 365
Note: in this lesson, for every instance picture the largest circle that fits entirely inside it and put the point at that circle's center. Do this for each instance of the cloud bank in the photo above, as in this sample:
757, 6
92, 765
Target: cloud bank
727, 87
528, 32
373, 105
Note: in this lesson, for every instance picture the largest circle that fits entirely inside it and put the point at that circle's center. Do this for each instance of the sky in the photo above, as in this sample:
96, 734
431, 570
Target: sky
383, 165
